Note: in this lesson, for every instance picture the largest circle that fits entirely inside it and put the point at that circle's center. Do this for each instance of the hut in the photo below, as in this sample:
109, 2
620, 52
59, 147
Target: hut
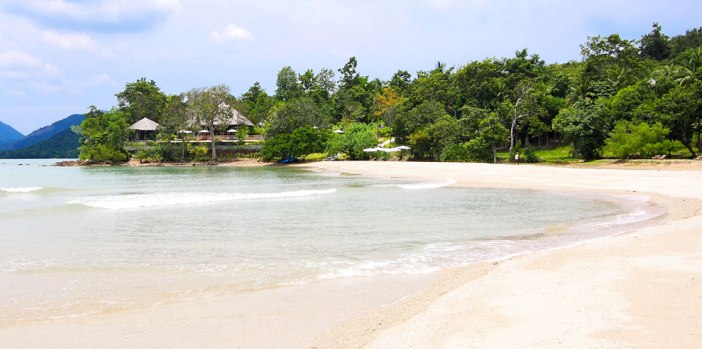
145, 129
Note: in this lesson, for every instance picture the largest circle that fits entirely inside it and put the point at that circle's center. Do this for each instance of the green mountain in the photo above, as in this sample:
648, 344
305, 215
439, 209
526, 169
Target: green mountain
8, 135
54, 141
48, 132
63, 145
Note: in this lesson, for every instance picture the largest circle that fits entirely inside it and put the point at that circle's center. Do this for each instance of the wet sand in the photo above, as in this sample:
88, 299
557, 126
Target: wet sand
639, 289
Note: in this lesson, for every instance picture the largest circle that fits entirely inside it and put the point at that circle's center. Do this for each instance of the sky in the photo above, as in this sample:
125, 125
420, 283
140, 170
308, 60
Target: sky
58, 57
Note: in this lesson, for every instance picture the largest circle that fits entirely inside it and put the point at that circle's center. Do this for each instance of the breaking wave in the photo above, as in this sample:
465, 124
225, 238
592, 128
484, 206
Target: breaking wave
21, 189
132, 201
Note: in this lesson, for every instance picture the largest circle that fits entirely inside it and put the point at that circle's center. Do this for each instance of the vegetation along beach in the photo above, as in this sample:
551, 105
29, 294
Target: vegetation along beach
217, 185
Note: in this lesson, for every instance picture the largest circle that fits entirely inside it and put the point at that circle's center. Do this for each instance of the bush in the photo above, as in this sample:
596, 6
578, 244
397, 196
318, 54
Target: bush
638, 140
454, 153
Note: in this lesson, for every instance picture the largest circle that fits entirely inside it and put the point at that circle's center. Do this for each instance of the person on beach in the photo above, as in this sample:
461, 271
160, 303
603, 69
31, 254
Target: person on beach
516, 158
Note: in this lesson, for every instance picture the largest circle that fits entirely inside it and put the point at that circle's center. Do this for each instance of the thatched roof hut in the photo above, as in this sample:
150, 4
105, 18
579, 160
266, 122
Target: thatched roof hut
145, 129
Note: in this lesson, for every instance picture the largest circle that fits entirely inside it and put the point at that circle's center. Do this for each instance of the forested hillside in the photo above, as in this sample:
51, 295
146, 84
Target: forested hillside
8, 135
624, 98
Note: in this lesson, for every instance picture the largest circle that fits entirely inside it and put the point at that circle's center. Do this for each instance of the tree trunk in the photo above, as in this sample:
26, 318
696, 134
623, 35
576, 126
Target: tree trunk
494, 154
212, 142
688, 145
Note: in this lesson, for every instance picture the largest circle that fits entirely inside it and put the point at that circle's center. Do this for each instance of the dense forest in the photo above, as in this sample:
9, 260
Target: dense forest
622, 98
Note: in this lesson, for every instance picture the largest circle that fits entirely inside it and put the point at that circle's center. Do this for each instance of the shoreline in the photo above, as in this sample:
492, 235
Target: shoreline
451, 312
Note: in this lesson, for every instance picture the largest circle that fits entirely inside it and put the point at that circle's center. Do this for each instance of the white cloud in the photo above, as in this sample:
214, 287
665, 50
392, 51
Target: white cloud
103, 15
231, 32
70, 41
17, 64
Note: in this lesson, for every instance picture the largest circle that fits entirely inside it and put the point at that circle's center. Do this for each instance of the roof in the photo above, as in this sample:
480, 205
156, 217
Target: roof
144, 124
239, 119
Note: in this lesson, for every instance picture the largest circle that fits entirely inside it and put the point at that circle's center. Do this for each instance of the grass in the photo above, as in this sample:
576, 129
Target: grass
557, 155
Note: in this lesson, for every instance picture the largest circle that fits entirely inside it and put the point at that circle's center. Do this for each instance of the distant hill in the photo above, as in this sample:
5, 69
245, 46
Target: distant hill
54, 141
48, 132
8, 135
63, 145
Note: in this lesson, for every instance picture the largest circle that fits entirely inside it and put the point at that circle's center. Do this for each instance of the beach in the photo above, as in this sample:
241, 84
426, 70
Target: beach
639, 289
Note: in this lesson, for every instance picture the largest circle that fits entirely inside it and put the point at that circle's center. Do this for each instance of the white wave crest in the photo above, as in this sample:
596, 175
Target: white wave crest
21, 189
426, 185
132, 201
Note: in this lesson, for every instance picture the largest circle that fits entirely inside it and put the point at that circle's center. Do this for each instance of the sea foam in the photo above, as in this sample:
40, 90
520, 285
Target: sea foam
21, 189
132, 201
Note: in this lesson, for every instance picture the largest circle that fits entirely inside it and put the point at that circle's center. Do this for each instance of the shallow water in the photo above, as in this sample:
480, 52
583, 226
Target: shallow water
76, 241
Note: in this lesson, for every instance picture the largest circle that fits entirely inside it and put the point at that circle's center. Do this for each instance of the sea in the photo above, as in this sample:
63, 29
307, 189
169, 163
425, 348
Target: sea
82, 241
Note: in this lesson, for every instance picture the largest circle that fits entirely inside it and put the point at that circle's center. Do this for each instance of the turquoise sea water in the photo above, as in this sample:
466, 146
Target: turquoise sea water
76, 241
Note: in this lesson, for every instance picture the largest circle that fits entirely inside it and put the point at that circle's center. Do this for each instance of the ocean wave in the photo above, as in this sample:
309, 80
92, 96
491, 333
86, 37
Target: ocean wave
132, 201
419, 185
21, 189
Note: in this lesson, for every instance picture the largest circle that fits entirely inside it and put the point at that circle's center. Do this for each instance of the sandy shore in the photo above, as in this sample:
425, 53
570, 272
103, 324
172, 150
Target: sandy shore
640, 289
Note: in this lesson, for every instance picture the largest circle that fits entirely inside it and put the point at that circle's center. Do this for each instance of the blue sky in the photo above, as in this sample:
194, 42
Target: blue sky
57, 57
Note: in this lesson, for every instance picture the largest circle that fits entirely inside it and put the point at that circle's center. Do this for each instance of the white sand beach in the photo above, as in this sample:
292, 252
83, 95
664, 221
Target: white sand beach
639, 289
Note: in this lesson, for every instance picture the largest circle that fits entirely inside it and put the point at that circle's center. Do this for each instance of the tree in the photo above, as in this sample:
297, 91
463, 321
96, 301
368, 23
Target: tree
489, 134
387, 104
257, 103
176, 118
407, 122
356, 137
642, 140
287, 85
349, 76
142, 99
302, 141
293, 115
680, 110
584, 126
654, 45
209, 107
611, 60
102, 135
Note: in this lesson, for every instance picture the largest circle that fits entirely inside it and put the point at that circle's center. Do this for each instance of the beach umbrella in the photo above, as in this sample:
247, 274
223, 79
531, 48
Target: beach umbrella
389, 150
231, 130
185, 131
204, 131
338, 131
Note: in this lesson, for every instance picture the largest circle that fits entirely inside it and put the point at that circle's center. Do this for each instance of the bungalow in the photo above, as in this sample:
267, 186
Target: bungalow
145, 129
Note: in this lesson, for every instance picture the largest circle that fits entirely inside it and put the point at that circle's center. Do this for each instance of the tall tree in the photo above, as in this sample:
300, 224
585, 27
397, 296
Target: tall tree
257, 103
103, 135
142, 99
209, 107
655, 45
287, 85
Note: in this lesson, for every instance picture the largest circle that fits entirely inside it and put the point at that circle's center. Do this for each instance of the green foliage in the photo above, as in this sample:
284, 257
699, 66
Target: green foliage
584, 126
408, 122
640, 140
294, 115
149, 152
655, 44
302, 141
316, 157
142, 99
241, 133
479, 150
356, 137
680, 110
455, 153
198, 153
257, 103
103, 136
